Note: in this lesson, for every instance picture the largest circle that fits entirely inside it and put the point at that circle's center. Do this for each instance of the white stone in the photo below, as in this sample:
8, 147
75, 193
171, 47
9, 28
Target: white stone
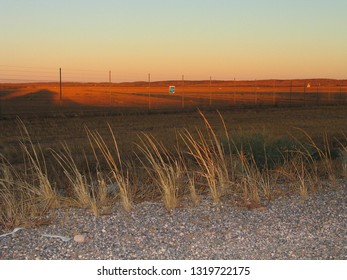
79, 238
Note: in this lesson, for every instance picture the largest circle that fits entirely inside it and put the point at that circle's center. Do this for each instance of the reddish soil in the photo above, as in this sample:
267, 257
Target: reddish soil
44, 98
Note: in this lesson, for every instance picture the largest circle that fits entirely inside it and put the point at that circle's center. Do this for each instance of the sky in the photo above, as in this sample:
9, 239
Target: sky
225, 39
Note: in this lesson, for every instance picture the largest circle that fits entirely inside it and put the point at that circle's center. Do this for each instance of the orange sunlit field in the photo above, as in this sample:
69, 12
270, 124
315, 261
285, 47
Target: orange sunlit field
45, 98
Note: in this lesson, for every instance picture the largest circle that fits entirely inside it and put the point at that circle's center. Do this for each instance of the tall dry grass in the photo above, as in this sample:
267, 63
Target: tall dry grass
319, 157
26, 194
203, 159
120, 176
166, 171
344, 156
83, 194
206, 149
190, 178
301, 178
16, 197
42, 186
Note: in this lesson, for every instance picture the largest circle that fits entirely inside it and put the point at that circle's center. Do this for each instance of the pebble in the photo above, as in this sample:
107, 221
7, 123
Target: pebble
79, 238
288, 228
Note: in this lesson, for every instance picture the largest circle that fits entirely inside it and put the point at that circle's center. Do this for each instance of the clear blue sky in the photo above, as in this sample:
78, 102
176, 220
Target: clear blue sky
245, 39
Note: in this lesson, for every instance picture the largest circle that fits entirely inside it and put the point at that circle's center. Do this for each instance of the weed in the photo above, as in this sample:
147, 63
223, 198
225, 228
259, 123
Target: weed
207, 150
84, 196
119, 175
316, 154
46, 194
249, 167
163, 168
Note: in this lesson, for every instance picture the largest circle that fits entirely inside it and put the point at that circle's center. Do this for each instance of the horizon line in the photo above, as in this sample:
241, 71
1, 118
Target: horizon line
23, 81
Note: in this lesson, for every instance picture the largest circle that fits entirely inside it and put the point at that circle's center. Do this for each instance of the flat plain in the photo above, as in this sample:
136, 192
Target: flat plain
42, 99
72, 153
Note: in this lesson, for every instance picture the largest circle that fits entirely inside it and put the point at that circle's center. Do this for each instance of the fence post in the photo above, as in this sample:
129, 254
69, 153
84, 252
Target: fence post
149, 91
60, 89
234, 92
210, 92
182, 91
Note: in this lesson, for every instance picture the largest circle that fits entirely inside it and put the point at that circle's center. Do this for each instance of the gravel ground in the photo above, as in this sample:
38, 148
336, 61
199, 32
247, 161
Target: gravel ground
287, 228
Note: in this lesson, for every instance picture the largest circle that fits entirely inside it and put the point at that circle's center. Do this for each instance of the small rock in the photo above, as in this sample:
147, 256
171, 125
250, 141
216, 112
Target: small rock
79, 238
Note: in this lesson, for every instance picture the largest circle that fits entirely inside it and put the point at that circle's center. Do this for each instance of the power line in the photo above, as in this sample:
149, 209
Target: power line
27, 67
28, 80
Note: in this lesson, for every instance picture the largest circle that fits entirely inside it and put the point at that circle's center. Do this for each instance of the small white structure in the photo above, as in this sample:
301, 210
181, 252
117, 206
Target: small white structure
171, 89
308, 85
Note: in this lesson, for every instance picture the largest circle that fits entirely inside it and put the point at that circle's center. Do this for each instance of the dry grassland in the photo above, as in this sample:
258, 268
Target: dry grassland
43, 99
238, 156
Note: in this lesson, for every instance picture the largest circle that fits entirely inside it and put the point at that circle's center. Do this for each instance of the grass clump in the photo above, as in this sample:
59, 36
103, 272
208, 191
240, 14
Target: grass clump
206, 149
45, 192
118, 175
17, 199
26, 195
83, 195
247, 169
164, 169
98, 188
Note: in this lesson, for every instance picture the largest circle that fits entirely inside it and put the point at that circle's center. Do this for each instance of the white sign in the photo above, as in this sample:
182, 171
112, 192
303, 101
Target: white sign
172, 89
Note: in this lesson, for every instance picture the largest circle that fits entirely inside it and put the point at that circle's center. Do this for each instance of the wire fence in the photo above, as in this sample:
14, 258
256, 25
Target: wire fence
29, 91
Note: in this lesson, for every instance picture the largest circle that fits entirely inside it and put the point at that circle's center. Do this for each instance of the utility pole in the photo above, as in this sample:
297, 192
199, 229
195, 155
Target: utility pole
210, 91
183, 91
234, 92
149, 91
109, 86
60, 89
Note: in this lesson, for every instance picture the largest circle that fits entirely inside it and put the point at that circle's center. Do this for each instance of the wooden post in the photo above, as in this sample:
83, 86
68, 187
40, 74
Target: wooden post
210, 91
149, 91
109, 86
182, 91
234, 92
60, 89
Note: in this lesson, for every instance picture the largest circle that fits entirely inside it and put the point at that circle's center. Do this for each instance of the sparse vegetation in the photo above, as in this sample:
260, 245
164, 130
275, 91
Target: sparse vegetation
244, 170
164, 169
119, 176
